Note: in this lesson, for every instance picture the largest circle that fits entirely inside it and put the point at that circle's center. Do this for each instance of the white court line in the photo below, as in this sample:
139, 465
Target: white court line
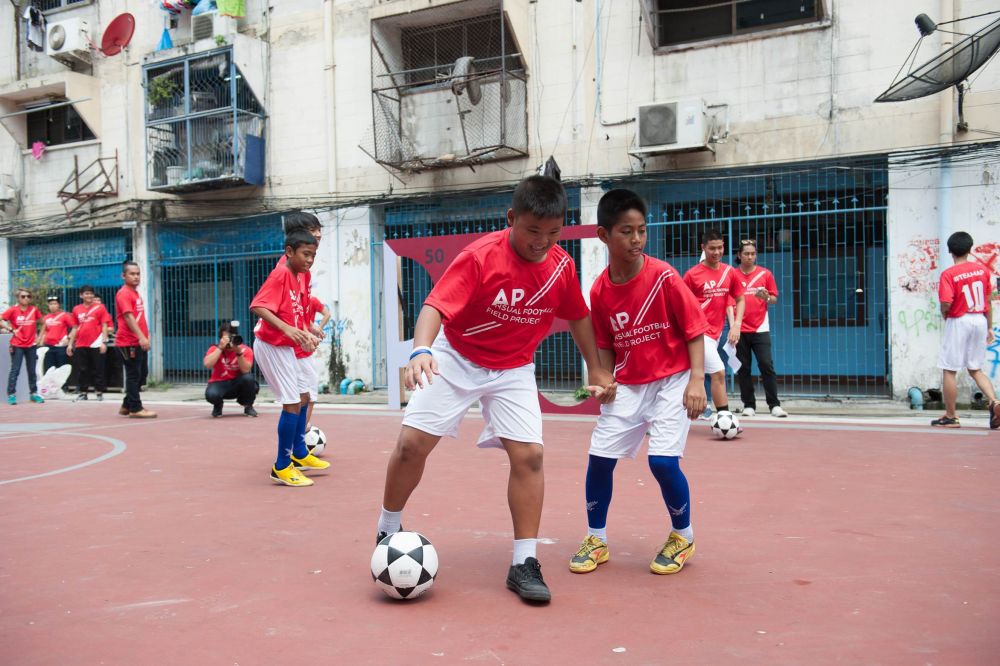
117, 445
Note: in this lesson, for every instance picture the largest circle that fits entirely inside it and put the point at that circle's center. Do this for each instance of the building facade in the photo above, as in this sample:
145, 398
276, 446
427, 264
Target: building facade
399, 119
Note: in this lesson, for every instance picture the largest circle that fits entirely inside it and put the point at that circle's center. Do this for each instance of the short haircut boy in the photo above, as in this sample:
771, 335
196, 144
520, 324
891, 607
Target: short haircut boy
541, 196
298, 238
300, 221
85, 288
710, 235
614, 203
960, 244
127, 263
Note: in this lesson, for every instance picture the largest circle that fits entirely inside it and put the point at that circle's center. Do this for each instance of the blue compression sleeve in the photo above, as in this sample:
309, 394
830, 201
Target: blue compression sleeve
301, 450
600, 482
674, 487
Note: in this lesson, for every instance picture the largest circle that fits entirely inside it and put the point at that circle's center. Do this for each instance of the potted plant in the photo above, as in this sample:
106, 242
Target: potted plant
160, 92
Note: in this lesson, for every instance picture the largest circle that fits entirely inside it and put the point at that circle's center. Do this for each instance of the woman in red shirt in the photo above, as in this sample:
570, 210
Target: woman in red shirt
22, 320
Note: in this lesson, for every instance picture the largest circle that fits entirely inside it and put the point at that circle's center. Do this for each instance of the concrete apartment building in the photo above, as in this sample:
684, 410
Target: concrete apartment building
401, 119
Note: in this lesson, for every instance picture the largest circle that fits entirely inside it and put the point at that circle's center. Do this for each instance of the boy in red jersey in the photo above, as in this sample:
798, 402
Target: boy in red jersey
651, 329
88, 343
56, 326
280, 305
714, 283
759, 292
497, 301
132, 340
965, 292
22, 320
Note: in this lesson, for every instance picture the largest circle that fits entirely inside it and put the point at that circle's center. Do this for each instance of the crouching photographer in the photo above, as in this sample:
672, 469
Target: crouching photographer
231, 363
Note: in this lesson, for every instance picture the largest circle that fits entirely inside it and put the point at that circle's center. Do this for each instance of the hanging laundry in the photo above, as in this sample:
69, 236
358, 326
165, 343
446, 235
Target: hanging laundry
234, 8
204, 7
165, 41
37, 149
34, 28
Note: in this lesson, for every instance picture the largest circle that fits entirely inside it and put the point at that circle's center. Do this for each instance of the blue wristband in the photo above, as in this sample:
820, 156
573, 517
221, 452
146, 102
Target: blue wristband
420, 350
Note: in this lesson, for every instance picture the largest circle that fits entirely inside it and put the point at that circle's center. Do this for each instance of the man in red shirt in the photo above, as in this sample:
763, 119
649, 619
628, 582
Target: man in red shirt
22, 320
965, 291
88, 343
132, 340
759, 292
56, 326
714, 284
231, 363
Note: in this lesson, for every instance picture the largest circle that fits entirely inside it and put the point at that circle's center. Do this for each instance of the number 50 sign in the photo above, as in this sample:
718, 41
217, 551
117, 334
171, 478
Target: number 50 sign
435, 254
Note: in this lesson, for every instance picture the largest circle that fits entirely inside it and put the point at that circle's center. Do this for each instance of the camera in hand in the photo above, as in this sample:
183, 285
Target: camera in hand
235, 339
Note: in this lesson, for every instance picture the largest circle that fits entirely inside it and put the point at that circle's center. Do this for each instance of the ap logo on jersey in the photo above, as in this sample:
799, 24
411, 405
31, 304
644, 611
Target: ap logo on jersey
619, 321
515, 296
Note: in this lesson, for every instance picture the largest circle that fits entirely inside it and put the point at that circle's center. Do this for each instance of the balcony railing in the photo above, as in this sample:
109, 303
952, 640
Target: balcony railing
204, 125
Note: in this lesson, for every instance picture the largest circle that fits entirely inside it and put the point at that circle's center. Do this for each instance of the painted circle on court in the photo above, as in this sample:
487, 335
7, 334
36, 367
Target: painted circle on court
117, 447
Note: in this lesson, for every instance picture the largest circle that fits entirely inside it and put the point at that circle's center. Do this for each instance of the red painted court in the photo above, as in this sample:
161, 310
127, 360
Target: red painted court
817, 544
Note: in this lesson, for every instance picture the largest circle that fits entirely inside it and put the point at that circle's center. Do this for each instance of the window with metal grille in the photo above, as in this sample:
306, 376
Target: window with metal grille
49, 5
683, 21
57, 126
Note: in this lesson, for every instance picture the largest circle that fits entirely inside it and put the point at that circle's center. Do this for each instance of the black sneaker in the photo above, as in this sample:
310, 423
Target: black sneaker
79, 397
100, 397
216, 411
526, 580
382, 535
946, 422
250, 411
995, 415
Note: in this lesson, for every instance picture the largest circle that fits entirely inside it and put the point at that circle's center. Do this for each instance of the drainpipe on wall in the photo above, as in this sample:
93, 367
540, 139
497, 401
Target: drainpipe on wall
946, 135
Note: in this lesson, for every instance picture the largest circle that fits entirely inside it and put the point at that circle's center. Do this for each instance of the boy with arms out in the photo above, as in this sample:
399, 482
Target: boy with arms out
88, 343
497, 301
714, 283
964, 292
650, 328
280, 305
22, 320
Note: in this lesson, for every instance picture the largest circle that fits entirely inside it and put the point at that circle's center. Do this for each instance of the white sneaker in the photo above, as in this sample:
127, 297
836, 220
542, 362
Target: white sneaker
778, 412
748, 411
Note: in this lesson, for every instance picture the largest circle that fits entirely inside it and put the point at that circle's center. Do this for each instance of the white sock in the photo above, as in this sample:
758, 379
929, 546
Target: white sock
523, 549
388, 521
601, 533
687, 533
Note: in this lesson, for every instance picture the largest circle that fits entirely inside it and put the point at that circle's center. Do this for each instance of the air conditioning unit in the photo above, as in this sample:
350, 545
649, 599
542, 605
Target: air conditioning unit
68, 41
666, 127
210, 24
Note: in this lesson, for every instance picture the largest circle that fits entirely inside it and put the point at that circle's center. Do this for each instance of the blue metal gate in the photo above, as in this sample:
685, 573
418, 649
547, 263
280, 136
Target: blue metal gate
208, 274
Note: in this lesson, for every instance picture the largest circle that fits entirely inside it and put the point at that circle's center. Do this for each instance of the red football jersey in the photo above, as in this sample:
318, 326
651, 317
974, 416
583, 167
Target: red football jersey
89, 321
228, 365
25, 323
313, 306
967, 287
755, 319
282, 294
128, 300
57, 326
713, 288
497, 307
647, 321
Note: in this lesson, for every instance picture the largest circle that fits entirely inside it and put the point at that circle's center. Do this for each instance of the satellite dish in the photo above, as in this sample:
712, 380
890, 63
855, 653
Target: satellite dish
118, 34
949, 68
463, 79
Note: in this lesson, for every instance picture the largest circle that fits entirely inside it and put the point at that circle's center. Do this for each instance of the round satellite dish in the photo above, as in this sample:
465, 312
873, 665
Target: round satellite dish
118, 34
946, 69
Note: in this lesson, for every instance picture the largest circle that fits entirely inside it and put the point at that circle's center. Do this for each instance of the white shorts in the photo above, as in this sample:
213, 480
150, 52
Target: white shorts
963, 345
308, 377
509, 399
281, 370
656, 408
713, 362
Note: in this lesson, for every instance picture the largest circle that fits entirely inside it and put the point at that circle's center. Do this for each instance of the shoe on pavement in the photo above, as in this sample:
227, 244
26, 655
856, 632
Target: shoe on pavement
526, 580
12, 400
81, 396
290, 476
592, 552
249, 411
37, 398
995, 415
216, 411
142, 414
946, 422
100, 397
382, 535
123, 411
706, 415
778, 412
673, 555
748, 411
309, 462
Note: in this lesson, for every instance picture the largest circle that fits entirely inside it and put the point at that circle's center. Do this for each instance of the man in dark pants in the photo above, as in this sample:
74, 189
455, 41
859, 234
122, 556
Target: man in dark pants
132, 339
759, 292
88, 343
231, 363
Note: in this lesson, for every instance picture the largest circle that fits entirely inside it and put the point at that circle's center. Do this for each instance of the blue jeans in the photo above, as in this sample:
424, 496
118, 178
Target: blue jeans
18, 354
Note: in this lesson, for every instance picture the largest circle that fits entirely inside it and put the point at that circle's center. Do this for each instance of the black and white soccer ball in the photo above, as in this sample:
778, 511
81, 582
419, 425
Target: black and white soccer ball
315, 441
404, 565
725, 425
